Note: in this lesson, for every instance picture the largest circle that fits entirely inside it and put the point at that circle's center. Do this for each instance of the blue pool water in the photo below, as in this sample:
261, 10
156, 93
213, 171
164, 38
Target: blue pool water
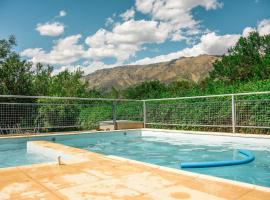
13, 152
163, 149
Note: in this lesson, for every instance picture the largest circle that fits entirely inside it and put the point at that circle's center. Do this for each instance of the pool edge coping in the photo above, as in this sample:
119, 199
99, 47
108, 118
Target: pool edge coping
194, 174
244, 135
80, 153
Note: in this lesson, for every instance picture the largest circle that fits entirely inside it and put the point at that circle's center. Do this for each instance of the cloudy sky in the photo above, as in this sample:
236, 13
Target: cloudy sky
96, 34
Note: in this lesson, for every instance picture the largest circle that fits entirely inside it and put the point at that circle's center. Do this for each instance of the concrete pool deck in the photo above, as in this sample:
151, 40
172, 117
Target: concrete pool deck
87, 175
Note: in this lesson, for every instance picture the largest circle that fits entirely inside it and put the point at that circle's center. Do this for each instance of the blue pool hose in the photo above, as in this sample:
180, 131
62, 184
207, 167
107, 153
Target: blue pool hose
247, 154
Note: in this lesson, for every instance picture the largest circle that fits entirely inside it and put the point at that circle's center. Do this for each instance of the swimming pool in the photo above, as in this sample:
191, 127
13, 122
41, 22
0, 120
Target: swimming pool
171, 148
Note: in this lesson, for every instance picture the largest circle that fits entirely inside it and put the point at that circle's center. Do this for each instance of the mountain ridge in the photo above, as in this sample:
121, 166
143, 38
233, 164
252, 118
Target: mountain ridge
121, 77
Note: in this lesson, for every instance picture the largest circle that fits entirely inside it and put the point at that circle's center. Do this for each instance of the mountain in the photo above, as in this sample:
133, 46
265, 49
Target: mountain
186, 68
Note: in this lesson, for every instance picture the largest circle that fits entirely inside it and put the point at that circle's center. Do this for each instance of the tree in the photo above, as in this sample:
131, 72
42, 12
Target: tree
179, 88
146, 90
60, 112
6, 46
15, 76
68, 83
115, 93
247, 60
42, 79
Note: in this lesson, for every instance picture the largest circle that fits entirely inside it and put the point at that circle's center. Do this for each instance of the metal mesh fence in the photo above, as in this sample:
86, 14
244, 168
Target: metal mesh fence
203, 112
19, 115
243, 112
253, 113
248, 112
132, 111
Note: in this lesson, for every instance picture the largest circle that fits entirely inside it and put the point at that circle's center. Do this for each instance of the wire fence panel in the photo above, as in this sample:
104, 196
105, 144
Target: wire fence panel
132, 111
201, 112
34, 115
243, 112
253, 113
42, 115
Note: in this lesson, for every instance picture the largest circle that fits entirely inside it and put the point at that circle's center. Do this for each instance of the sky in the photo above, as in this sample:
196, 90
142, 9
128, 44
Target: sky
97, 34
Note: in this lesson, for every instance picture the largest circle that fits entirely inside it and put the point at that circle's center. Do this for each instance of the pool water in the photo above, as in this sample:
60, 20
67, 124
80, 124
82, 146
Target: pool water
170, 152
13, 152
170, 149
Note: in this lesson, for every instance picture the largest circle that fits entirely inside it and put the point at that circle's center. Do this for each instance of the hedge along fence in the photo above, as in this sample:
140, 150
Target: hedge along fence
230, 113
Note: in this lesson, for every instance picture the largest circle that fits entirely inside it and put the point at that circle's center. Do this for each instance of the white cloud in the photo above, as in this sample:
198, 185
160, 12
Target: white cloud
98, 39
109, 21
62, 13
130, 32
50, 29
170, 19
124, 40
129, 14
247, 31
152, 6
65, 51
71, 68
210, 43
32, 52
176, 14
87, 67
264, 27
96, 65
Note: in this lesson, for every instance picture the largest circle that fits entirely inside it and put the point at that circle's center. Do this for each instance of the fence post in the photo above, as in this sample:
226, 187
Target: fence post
114, 115
233, 114
144, 114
